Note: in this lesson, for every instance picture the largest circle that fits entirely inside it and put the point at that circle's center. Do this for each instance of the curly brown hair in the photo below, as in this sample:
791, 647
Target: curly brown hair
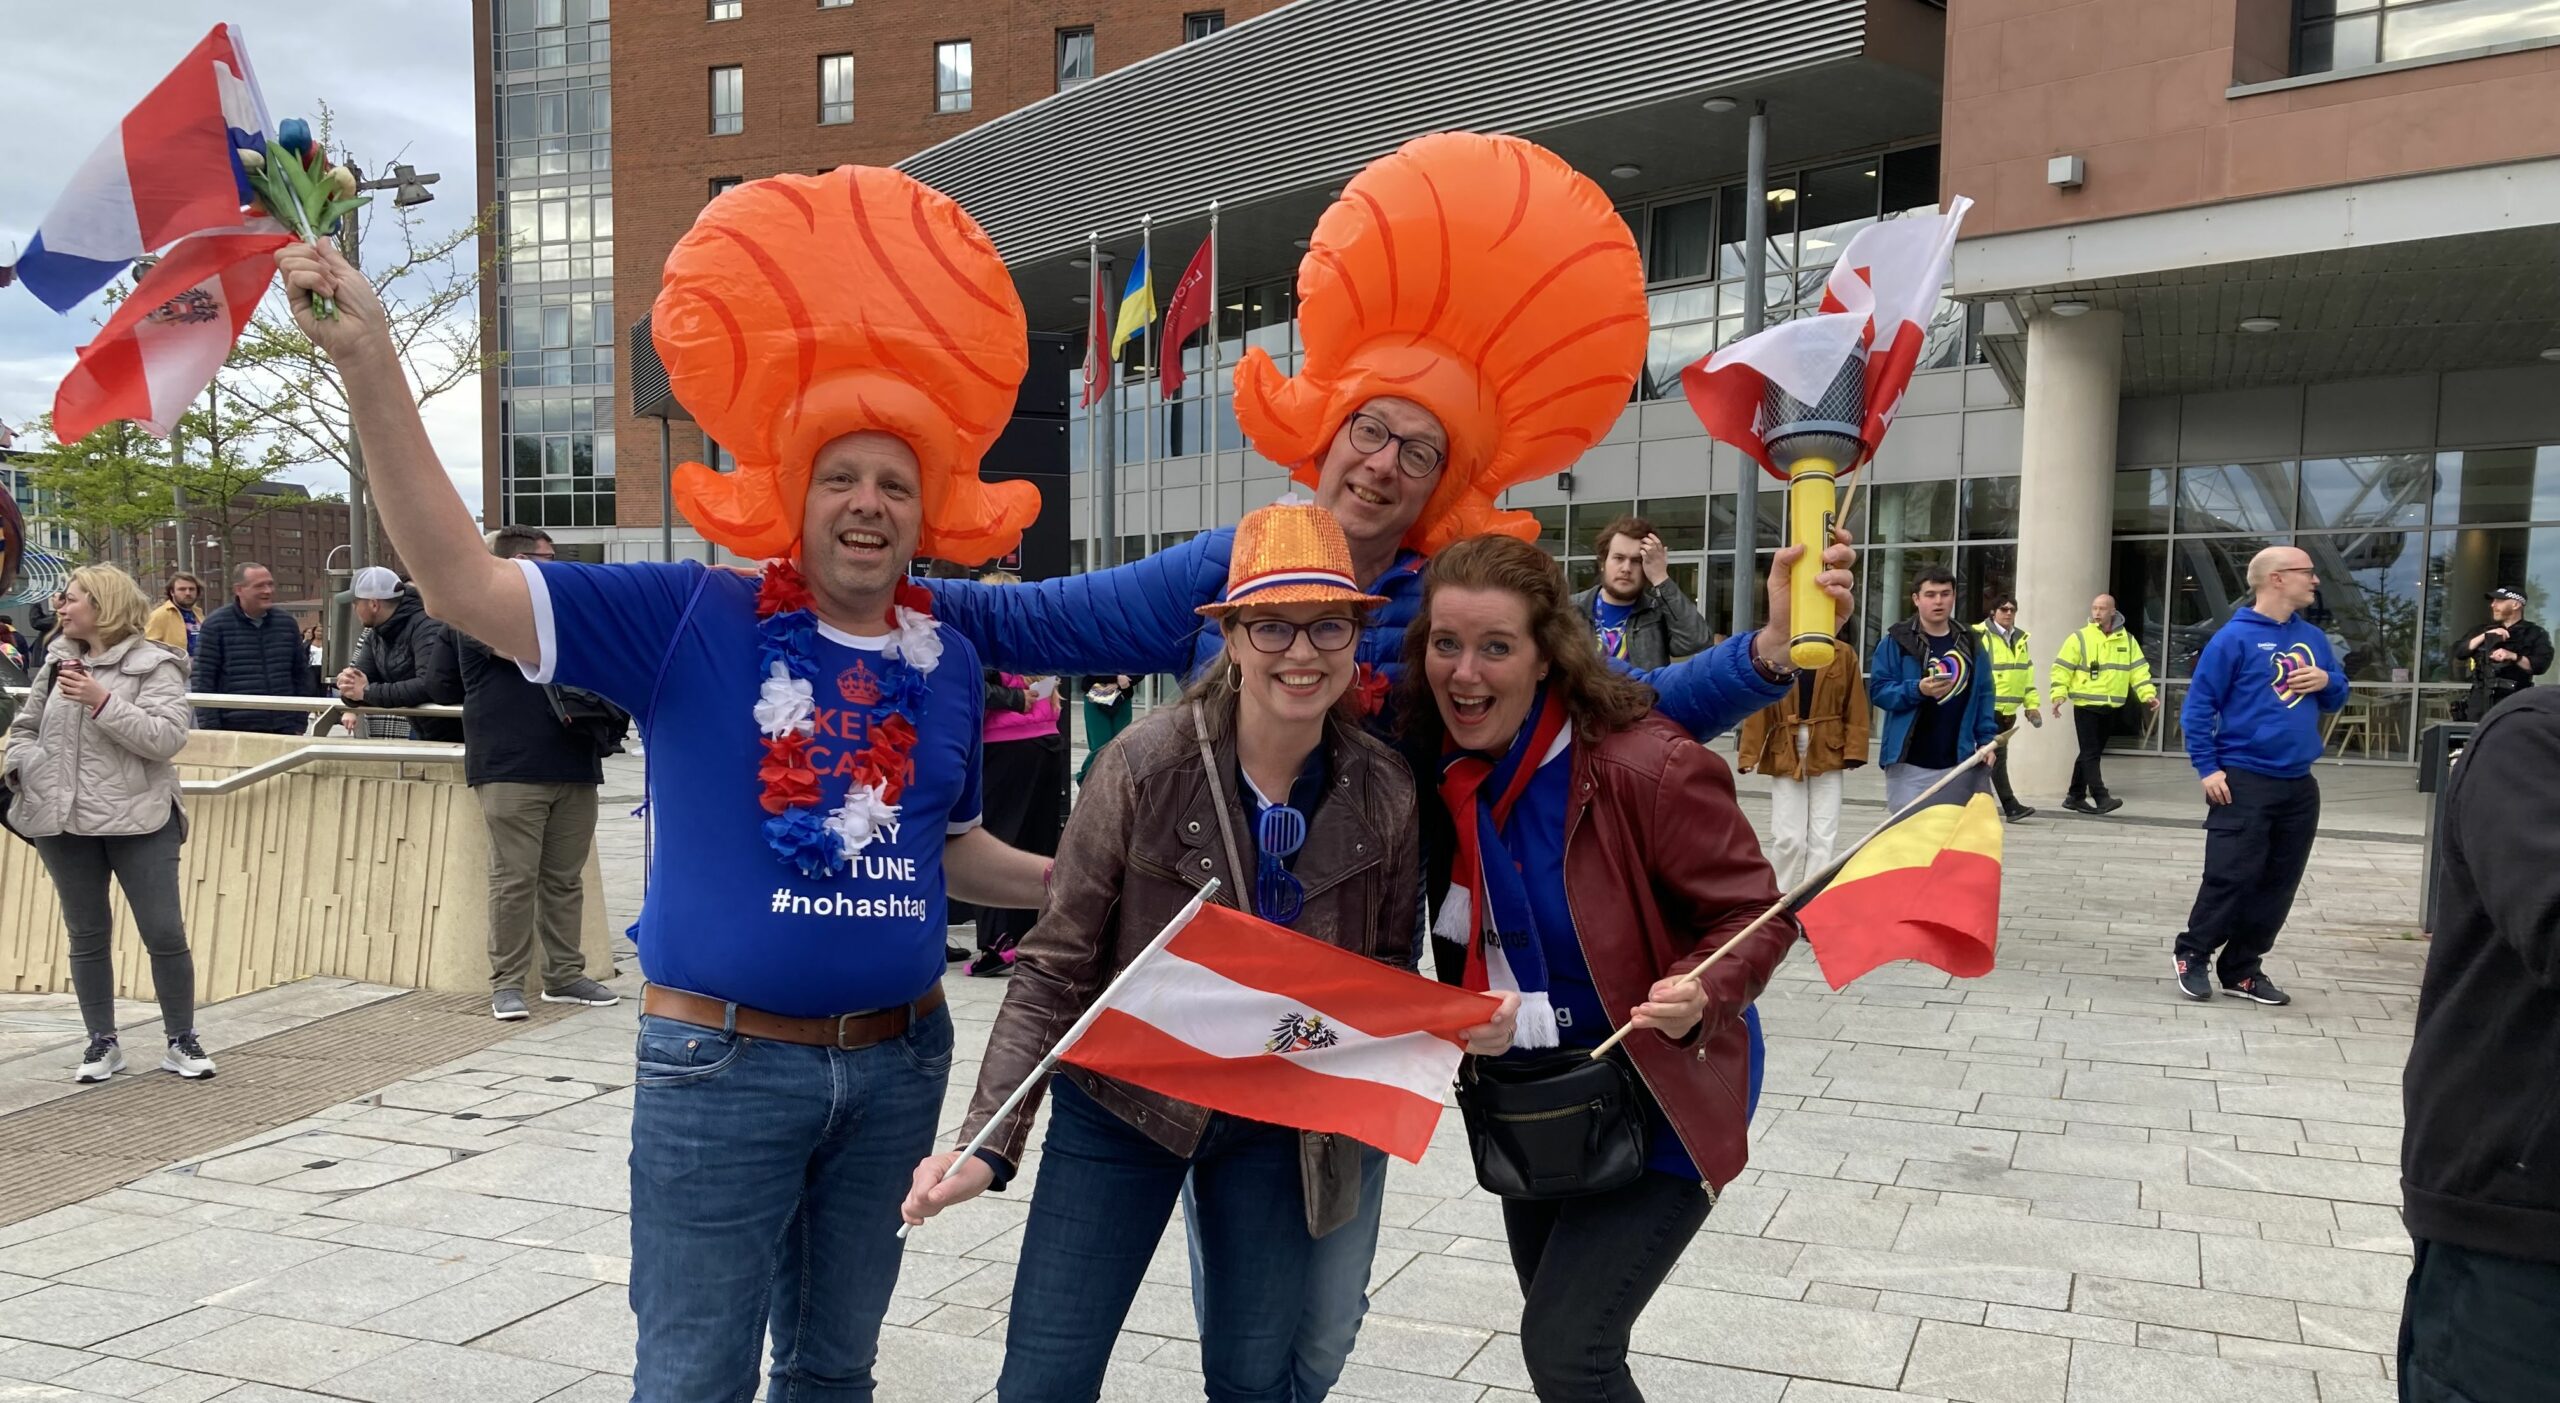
1597, 697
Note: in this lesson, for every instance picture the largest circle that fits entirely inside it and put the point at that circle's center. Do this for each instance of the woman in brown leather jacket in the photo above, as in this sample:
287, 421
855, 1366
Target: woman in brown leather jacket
1605, 847
1263, 779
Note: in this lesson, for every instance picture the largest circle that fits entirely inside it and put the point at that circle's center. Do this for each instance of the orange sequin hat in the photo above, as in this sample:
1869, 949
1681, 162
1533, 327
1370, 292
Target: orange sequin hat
1482, 278
1291, 552
800, 309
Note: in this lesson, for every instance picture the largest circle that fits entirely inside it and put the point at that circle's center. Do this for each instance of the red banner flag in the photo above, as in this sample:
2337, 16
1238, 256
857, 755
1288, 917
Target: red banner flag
1193, 302
1097, 352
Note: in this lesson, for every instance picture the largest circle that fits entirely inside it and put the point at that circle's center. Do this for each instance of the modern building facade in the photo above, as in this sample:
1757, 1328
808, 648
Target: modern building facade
605, 131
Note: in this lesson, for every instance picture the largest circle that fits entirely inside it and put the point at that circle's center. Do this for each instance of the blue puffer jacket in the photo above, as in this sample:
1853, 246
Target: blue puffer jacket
263, 657
1893, 681
1137, 618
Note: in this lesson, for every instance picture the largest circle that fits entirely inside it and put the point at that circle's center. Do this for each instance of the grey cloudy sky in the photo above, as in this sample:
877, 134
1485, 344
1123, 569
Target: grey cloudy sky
397, 73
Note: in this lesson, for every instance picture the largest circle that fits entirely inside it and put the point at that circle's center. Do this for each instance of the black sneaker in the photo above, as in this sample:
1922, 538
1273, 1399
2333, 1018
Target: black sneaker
2078, 805
2022, 811
953, 954
2105, 804
103, 1060
186, 1058
2258, 988
2191, 980
992, 962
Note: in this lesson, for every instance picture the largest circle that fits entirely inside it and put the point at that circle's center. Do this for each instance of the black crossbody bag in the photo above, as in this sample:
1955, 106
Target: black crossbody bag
1559, 1125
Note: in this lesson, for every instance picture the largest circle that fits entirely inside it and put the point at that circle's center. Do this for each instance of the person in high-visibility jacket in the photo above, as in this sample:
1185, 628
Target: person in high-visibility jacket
2099, 672
2013, 691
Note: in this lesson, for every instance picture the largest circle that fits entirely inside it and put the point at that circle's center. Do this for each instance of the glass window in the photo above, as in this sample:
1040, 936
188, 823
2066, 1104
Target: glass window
2139, 580
1990, 508
2487, 486
2239, 497
2463, 566
835, 90
2423, 30
1683, 241
1911, 179
1672, 349
728, 101
1983, 574
1550, 529
952, 76
1914, 511
1589, 518
1892, 574
835, 4
1200, 24
723, 184
1838, 201
2388, 489
1680, 521
1581, 575
1075, 57
725, 9
2142, 502
2368, 602
2209, 579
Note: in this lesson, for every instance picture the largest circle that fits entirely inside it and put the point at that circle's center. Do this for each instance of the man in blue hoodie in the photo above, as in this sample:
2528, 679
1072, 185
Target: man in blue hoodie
2253, 741
1932, 680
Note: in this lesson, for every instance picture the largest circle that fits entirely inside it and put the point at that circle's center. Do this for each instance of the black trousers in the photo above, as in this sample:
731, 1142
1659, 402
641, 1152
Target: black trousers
2092, 724
1024, 795
1588, 1267
2477, 1327
2255, 848
2000, 766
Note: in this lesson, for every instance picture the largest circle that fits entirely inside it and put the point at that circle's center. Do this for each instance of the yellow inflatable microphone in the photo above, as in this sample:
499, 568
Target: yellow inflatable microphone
1815, 445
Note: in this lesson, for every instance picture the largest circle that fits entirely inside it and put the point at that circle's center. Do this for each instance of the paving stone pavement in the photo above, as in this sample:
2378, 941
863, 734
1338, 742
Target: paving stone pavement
2059, 1183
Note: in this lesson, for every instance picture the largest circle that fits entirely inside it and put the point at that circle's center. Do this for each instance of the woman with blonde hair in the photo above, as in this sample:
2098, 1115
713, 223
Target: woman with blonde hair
91, 781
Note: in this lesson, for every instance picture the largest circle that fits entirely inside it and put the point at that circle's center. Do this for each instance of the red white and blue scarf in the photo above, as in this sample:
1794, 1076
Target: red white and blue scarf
1488, 907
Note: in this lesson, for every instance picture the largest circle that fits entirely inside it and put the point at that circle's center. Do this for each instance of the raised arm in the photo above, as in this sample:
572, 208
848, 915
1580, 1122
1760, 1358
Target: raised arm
1135, 618
463, 584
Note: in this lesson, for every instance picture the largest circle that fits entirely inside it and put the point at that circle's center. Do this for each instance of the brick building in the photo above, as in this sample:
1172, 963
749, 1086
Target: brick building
602, 139
276, 524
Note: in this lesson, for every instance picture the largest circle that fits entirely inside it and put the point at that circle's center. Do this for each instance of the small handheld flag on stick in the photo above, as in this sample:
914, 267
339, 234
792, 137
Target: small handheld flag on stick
1951, 921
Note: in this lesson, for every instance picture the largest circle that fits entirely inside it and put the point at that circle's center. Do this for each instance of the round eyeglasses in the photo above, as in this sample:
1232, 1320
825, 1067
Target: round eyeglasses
1331, 634
1414, 458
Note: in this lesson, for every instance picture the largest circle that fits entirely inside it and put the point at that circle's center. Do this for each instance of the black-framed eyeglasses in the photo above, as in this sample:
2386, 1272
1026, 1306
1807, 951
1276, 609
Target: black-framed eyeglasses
1278, 896
1414, 458
1330, 634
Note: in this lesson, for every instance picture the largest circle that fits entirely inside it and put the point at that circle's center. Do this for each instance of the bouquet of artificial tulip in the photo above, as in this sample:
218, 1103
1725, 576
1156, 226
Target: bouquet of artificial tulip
295, 182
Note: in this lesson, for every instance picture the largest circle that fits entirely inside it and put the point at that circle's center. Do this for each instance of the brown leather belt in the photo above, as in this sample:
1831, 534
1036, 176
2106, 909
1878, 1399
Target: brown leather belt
847, 1031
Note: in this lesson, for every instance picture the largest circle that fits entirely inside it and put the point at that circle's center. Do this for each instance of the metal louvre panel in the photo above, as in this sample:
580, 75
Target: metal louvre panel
1178, 129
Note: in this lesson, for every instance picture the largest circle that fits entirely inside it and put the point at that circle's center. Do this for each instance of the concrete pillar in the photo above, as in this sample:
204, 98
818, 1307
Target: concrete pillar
2066, 488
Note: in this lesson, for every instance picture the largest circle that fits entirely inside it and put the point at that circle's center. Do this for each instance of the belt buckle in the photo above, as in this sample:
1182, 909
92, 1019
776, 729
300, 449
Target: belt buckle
841, 1020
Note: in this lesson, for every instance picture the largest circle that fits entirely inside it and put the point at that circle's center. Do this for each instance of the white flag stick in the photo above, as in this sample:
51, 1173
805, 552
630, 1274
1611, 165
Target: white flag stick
1163, 938
1815, 881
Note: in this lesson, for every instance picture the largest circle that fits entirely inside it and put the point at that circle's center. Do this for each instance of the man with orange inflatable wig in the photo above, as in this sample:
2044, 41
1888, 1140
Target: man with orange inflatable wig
812, 732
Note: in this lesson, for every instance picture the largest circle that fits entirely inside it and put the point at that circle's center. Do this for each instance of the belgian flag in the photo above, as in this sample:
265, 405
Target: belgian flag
1924, 887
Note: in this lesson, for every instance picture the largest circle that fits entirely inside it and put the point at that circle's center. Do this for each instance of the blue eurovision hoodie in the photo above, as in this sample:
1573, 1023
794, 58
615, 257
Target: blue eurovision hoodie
2236, 719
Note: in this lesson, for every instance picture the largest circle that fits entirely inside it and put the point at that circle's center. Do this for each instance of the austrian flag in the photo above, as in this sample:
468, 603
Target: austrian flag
1243, 1016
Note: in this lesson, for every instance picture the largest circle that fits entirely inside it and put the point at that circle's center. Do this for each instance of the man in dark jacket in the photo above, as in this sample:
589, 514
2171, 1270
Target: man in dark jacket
2504, 657
1636, 612
403, 661
2477, 1183
251, 648
536, 777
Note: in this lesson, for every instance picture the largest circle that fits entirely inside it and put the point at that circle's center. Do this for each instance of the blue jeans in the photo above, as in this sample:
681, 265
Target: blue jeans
1337, 1285
765, 1182
1104, 1195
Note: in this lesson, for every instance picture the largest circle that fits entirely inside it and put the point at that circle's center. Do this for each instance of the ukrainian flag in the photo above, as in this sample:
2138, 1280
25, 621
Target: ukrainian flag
1927, 888
1137, 305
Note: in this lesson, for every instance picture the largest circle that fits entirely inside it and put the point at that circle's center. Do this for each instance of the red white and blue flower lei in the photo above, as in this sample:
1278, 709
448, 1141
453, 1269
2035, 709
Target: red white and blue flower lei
786, 712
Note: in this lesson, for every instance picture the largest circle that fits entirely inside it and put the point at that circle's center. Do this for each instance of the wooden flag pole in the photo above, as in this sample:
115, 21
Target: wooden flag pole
1815, 881
1163, 938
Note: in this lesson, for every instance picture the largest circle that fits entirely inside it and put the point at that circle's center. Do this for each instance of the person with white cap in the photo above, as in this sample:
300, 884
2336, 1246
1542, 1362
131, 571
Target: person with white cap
2504, 657
404, 660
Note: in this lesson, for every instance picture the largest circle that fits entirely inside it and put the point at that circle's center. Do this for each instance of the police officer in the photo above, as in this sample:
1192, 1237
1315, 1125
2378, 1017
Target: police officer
2503, 657
2013, 683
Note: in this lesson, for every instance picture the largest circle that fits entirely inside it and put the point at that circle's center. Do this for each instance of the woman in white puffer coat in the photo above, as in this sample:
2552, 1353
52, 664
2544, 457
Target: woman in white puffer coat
93, 785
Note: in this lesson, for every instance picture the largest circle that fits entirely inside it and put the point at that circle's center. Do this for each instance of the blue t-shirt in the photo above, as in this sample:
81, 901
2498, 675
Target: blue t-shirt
1609, 624
725, 915
1535, 839
1937, 731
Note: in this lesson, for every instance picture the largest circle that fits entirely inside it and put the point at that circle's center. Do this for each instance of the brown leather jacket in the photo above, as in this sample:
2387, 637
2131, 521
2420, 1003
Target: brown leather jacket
1144, 839
1839, 721
1660, 868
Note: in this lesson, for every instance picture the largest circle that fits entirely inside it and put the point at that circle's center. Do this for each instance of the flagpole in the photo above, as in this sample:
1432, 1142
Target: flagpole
1097, 404
1814, 882
1149, 385
1076, 1030
1216, 516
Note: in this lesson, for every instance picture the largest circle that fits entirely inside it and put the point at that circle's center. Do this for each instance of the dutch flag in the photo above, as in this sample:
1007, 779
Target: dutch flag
170, 169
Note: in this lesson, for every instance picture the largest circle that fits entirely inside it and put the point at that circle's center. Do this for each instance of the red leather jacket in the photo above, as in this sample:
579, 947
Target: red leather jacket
1660, 868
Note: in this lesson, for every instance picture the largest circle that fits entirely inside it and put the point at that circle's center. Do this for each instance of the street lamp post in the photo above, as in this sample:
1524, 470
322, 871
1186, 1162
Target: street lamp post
411, 188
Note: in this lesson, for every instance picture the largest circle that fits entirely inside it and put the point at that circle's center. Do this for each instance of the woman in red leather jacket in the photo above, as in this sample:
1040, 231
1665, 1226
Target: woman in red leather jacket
1612, 839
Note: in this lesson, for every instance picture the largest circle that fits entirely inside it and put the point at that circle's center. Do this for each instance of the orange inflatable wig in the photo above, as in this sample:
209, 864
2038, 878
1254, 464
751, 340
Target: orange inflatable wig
800, 309
1482, 278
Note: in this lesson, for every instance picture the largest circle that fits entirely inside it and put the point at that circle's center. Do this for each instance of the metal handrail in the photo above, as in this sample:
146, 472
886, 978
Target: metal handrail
411, 753
244, 701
